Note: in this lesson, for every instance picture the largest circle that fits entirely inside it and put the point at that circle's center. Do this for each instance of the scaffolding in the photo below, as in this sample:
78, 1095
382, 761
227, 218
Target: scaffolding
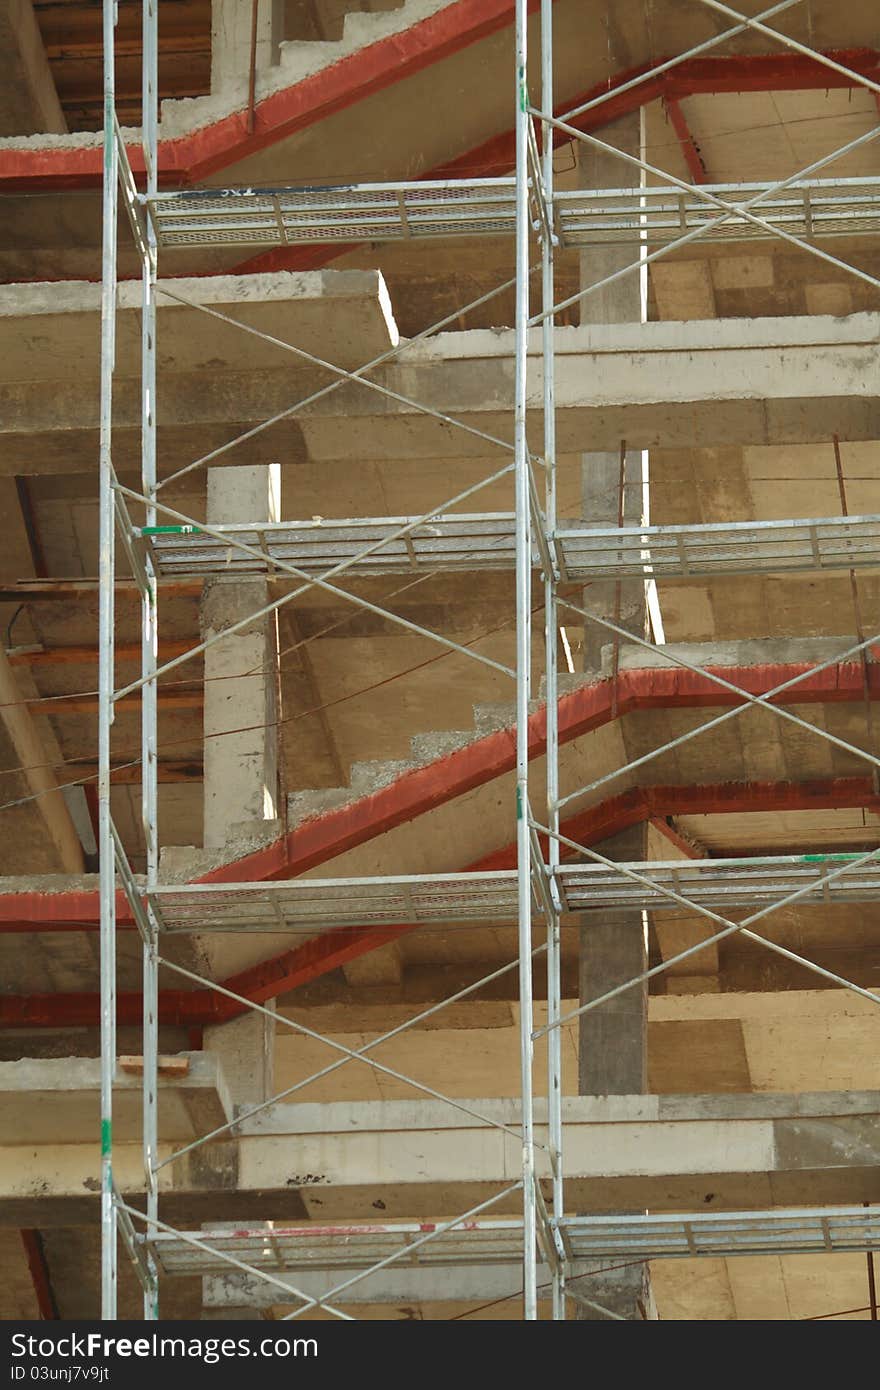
655, 216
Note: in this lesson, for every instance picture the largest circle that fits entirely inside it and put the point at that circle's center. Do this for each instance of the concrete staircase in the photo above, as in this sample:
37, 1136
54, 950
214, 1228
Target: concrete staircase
297, 61
325, 21
366, 778
356, 29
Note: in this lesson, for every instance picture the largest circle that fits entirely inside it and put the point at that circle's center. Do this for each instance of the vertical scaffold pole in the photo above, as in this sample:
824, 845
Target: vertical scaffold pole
554, 1038
523, 662
106, 577
149, 647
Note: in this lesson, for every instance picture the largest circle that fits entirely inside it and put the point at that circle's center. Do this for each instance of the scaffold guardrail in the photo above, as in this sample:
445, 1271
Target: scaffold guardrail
300, 1250
314, 905
486, 541
722, 1234
381, 212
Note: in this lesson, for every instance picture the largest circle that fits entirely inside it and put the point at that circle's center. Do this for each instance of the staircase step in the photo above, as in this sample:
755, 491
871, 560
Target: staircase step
372, 775
303, 805
368, 777
439, 744
301, 58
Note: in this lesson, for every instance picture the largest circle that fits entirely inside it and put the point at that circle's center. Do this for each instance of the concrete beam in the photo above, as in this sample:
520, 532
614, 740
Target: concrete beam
422, 1158
49, 1100
29, 103
755, 381
47, 332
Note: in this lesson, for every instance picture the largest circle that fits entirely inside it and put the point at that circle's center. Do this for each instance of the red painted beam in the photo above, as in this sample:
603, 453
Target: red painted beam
677, 841
317, 957
27, 170
192, 157
184, 161
324, 837
79, 910
639, 804
696, 76
81, 1009
296, 967
39, 1271
692, 157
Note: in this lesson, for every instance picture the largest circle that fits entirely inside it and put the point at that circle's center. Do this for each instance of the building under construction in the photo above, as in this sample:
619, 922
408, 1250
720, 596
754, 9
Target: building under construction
438, 758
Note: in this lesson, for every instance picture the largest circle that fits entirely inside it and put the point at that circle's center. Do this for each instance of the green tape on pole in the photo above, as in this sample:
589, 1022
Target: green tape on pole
519, 804
106, 1137
170, 531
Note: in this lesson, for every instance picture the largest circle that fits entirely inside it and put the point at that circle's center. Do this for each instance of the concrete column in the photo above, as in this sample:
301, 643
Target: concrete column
29, 102
241, 673
612, 1047
231, 22
612, 1053
622, 302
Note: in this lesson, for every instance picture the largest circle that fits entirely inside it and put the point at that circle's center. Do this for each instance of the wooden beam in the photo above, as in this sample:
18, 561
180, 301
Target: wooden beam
88, 655
169, 770
73, 45
37, 765
166, 1066
72, 590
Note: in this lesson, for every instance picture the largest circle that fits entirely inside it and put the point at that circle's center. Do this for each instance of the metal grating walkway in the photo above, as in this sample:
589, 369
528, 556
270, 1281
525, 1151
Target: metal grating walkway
353, 212
487, 541
464, 542
315, 1249
795, 1232
715, 549
294, 1250
314, 905
720, 884
810, 209
479, 207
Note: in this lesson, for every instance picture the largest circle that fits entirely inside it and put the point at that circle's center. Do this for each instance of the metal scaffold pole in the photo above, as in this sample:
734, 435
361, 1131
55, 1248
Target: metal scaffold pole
106, 575
554, 1038
149, 652
523, 666
321, 557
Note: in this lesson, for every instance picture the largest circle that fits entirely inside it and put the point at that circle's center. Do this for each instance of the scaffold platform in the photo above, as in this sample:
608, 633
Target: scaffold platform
311, 906
342, 1249
487, 541
382, 212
